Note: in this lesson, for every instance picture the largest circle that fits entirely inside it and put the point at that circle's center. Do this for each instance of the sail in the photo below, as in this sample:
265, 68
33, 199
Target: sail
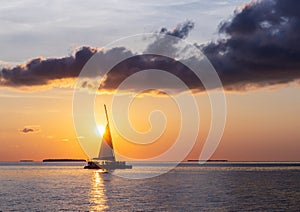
106, 149
106, 155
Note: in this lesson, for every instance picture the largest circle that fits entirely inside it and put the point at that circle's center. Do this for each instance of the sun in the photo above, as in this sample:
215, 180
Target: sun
101, 129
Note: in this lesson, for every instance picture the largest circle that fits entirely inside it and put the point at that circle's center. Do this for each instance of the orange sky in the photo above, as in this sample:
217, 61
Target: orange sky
37, 123
262, 125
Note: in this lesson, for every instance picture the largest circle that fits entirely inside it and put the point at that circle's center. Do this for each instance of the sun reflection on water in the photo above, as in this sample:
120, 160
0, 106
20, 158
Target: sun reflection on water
98, 199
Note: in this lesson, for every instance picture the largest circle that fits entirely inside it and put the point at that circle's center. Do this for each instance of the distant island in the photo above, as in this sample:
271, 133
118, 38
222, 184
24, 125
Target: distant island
64, 160
208, 161
26, 161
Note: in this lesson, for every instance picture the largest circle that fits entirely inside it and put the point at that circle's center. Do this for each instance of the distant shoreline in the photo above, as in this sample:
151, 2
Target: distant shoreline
187, 161
64, 160
207, 161
26, 161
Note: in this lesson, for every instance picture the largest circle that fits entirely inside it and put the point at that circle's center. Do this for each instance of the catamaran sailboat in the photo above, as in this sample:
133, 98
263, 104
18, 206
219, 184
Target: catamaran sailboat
106, 158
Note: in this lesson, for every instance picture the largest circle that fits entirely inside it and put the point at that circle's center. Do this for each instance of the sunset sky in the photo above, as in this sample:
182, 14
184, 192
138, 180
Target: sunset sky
254, 48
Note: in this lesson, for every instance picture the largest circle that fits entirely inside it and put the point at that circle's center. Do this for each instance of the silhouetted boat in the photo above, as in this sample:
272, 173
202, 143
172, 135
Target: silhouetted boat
106, 158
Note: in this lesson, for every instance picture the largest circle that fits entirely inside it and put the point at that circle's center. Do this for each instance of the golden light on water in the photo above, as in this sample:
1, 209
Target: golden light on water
98, 199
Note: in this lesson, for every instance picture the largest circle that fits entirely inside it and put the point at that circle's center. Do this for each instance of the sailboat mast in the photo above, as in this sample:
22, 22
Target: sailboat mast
106, 114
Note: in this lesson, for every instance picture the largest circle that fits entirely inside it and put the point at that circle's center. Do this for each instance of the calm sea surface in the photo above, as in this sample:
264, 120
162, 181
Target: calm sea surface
189, 187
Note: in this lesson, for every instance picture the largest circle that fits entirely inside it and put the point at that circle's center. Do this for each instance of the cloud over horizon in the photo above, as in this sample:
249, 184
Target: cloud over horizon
40, 71
258, 46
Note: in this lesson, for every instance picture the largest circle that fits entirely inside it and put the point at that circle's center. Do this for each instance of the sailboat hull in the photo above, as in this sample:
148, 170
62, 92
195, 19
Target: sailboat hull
108, 165
92, 165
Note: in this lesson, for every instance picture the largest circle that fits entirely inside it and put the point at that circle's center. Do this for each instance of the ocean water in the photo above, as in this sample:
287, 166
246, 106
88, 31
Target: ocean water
188, 187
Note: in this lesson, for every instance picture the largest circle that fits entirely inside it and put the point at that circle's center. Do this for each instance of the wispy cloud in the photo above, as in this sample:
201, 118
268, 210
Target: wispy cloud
30, 129
64, 139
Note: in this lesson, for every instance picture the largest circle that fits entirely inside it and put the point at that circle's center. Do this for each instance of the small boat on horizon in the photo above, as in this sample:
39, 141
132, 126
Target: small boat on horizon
106, 158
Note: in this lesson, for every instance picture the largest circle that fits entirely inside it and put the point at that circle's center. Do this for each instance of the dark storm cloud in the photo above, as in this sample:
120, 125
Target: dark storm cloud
260, 45
41, 71
138, 63
164, 44
182, 30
